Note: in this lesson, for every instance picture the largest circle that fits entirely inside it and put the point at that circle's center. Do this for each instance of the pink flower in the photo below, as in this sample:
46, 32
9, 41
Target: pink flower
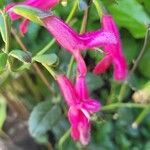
113, 53
73, 42
80, 107
44, 5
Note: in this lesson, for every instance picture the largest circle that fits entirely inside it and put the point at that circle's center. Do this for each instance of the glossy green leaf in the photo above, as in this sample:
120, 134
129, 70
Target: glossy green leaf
48, 59
31, 13
43, 118
23, 56
3, 61
131, 15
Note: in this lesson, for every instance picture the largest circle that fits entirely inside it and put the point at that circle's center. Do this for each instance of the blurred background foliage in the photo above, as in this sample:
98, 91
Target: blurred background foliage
40, 106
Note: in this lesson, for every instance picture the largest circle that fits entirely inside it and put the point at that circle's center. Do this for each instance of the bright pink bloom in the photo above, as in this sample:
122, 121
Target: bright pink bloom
113, 52
73, 42
80, 107
44, 5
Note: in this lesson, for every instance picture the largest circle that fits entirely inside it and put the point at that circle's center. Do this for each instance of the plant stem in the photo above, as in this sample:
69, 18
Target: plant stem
70, 66
141, 52
82, 30
63, 139
124, 85
73, 11
31, 86
119, 105
7, 30
36, 67
140, 118
47, 47
99, 7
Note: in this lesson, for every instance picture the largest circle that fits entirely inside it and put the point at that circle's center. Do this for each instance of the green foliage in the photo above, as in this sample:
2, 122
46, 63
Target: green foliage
43, 118
131, 15
3, 61
4, 25
112, 129
24, 57
48, 59
144, 64
3, 113
30, 13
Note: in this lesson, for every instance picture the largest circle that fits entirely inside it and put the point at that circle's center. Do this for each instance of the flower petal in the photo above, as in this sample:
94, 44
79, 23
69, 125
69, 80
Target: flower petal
23, 27
84, 129
115, 50
81, 87
73, 115
63, 33
91, 105
98, 38
81, 66
103, 65
120, 68
68, 90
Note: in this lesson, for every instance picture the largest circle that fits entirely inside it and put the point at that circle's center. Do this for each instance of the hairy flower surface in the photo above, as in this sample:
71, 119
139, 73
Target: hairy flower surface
80, 107
44, 5
73, 42
113, 52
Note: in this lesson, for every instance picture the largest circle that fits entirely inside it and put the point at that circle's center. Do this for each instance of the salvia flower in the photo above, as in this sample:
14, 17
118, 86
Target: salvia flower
73, 42
80, 107
44, 5
113, 52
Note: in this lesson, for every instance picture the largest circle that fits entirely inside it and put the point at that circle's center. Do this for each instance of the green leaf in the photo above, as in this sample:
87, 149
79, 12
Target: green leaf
2, 28
131, 15
43, 118
130, 47
94, 81
3, 61
31, 13
145, 64
23, 56
3, 111
147, 5
48, 59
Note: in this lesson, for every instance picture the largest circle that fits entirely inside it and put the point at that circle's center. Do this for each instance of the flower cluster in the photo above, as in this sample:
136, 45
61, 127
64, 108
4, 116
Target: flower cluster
77, 97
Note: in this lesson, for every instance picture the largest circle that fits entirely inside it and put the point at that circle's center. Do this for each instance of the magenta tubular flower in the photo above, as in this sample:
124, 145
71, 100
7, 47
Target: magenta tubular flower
44, 5
113, 52
80, 107
73, 42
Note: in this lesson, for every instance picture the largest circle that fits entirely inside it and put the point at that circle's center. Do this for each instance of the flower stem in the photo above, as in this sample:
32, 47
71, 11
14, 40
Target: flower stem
141, 52
36, 67
70, 66
119, 105
140, 118
99, 7
47, 47
63, 139
124, 85
82, 30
